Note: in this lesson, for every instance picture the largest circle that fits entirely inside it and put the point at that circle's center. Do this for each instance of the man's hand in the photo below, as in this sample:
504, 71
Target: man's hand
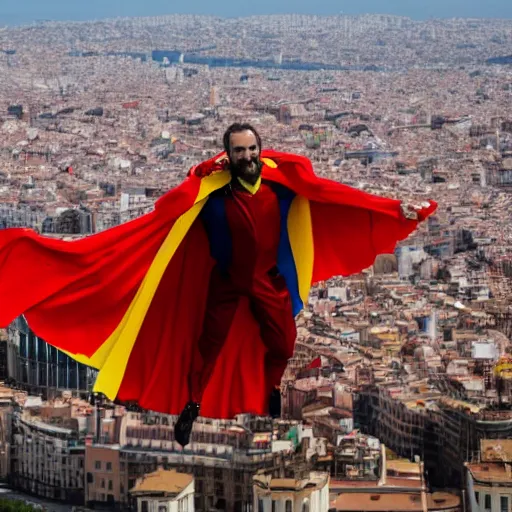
410, 211
210, 166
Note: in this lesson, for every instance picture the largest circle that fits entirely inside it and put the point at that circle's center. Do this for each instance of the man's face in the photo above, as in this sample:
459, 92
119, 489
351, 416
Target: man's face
244, 154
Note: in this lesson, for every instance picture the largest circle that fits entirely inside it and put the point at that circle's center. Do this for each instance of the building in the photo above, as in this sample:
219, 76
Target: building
309, 494
47, 460
400, 488
40, 369
444, 432
489, 481
164, 491
223, 457
6, 411
106, 478
396, 502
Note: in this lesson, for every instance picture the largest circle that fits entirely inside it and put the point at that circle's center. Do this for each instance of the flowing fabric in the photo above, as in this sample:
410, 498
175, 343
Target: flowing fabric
130, 300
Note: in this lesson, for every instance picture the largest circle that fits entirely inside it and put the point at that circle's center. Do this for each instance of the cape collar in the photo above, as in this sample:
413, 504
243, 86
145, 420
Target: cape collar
249, 186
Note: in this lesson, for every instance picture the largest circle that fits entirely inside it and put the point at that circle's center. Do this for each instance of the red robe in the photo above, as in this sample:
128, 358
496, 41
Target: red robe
130, 300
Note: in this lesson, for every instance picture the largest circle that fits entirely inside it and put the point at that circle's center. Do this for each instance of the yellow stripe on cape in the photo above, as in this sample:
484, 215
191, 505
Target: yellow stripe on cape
300, 233
112, 357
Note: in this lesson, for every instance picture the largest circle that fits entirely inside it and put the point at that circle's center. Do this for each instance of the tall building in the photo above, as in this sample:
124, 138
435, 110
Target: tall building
39, 368
46, 460
223, 457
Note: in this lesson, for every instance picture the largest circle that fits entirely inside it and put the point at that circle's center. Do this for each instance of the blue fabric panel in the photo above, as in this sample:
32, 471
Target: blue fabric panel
285, 261
216, 224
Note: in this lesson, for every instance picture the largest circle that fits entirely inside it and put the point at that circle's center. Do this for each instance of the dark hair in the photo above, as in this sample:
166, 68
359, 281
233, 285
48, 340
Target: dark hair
237, 128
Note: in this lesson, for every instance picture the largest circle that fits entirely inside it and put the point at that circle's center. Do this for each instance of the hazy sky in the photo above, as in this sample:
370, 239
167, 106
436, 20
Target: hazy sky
23, 11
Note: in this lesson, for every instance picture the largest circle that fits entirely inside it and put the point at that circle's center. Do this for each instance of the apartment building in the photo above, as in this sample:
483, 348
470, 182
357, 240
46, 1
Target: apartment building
106, 478
489, 479
444, 432
308, 494
223, 457
6, 411
47, 460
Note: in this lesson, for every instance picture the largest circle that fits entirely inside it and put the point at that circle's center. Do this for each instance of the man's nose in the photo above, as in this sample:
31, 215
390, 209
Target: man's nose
247, 155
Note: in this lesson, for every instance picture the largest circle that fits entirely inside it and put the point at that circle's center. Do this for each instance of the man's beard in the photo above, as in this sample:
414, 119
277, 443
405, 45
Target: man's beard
248, 171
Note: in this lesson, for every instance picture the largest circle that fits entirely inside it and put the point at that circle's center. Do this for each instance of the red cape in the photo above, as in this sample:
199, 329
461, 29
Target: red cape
75, 294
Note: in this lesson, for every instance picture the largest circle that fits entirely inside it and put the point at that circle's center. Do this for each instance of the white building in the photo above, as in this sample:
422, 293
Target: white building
291, 495
165, 491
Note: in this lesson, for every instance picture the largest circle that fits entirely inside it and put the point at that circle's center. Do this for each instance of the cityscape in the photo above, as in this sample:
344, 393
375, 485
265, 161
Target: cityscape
399, 394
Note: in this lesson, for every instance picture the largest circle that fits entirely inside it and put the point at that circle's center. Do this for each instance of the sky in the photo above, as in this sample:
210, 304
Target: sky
13, 12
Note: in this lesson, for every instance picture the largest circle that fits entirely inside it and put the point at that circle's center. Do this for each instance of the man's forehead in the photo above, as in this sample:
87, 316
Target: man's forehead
243, 139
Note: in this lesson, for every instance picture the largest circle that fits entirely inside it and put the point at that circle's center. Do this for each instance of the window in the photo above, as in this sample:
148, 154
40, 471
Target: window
103, 483
274, 506
109, 466
260, 505
144, 506
110, 487
504, 504
305, 506
97, 464
289, 506
162, 507
487, 501
477, 497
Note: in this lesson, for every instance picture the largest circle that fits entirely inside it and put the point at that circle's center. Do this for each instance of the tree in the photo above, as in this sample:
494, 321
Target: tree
7, 505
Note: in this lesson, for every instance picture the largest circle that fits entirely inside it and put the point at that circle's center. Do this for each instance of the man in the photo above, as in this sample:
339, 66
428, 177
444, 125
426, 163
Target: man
243, 223
192, 305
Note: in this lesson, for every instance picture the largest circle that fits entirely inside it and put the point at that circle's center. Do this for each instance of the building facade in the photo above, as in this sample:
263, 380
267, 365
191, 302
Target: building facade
443, 432
310, 494
47, 460
41, 369
222, 457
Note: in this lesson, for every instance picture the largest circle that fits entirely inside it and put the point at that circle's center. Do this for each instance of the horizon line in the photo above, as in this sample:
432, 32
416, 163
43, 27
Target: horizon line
333, 15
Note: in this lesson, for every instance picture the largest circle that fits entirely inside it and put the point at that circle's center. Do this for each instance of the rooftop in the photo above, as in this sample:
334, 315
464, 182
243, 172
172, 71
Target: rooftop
168, 482
394, 502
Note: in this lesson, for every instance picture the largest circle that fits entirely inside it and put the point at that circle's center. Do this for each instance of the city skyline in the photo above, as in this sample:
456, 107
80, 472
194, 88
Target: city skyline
27, 11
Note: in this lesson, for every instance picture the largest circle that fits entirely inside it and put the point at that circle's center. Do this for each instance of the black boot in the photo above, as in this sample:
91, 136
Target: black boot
274, 404
183, 427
